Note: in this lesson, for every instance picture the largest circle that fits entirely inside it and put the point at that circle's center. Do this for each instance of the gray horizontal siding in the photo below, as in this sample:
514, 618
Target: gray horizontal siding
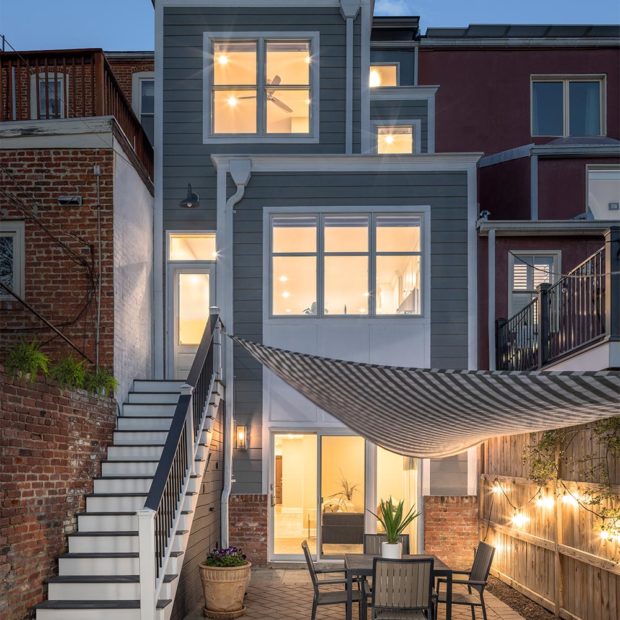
446, 193
186, 158
402, 110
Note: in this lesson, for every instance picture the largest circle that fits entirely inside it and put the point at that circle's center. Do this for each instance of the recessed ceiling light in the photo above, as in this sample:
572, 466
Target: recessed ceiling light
286, 294
222, 59
389, 139
232, 101
283, 278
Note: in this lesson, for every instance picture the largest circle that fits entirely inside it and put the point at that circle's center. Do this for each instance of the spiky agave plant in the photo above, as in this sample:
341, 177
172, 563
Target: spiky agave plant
394, 519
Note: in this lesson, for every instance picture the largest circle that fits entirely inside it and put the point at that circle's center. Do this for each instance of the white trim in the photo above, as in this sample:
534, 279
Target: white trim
400, 93
357, 163
415, 124
472, 471
136, 89
261, 136
16, 229
491, 299
565, 80
158, 216
430, 125
534, 187
416, 65
366, 29
472, 269
63, 92
426, 477
513, 228
348, 142
423, 211
596, 168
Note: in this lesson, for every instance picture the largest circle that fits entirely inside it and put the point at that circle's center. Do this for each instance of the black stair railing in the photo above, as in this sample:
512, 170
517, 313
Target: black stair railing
158, 520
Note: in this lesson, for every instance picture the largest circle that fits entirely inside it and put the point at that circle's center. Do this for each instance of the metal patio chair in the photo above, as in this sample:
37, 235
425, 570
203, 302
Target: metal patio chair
331, 597
476, 582
372, 543
402, 589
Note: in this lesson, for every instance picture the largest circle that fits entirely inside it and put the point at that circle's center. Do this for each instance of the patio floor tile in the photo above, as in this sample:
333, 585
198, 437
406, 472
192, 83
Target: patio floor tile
286, 594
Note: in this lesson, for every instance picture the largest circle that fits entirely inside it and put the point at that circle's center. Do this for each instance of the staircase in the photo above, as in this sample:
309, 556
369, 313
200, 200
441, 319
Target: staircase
102, 576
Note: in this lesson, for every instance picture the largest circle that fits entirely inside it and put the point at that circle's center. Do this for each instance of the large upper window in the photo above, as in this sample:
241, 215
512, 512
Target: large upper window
568, 106
12, 258
346, 265
262, 87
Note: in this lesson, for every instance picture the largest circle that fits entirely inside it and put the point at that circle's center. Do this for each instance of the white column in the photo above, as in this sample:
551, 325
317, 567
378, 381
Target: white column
147, 568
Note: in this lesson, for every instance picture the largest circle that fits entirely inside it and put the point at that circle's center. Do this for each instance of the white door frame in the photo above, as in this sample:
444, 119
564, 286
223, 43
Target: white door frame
173, 268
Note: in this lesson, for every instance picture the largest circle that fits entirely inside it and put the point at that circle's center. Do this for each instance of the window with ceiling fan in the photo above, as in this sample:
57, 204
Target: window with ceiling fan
262, 87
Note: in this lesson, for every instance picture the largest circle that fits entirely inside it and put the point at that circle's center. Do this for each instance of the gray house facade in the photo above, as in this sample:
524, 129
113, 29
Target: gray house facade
298, 190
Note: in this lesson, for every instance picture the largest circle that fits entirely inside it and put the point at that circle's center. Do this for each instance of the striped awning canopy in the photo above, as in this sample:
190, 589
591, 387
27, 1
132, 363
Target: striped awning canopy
435, 413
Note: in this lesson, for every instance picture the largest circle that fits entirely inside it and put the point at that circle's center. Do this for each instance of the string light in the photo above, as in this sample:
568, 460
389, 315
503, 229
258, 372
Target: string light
545, 501
570, 500
520, 519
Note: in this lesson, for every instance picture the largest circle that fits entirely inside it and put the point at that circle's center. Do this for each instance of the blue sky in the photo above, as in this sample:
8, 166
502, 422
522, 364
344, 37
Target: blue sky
128, 24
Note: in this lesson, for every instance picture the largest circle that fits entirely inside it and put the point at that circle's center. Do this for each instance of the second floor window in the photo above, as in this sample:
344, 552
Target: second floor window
528, 271
147, 107
568, 106
383, 74
48, 96
346, 265
262, 87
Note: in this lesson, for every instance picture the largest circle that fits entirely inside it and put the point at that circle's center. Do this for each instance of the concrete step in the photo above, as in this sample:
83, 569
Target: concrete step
153, 397
115, 542
153, 385
79, 564
127, 484
103, 588
97, 610
119, 521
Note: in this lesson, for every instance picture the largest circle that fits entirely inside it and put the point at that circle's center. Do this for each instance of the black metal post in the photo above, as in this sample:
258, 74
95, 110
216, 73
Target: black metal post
543, 323
612, 283
500, 343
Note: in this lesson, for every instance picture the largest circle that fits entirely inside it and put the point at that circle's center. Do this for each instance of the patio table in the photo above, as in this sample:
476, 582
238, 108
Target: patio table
360, 565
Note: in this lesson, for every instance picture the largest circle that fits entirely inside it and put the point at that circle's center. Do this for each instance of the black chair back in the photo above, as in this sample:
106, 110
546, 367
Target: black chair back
402, 585
372, 543
482, 564
310, 563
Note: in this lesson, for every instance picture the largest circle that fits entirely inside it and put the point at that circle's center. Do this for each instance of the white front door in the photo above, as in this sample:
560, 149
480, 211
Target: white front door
191, 291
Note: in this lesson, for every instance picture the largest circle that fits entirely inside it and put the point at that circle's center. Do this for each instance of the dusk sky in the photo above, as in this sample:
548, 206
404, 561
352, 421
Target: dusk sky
128, 24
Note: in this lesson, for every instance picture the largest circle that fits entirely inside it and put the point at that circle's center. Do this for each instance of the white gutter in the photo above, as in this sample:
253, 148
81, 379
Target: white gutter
349, 10
240, 171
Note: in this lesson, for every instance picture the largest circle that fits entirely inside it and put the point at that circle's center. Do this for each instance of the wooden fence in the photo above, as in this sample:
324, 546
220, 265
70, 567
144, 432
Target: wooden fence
553, 552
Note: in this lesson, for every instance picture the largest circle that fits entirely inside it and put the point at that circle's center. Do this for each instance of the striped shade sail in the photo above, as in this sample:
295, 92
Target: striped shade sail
430, 413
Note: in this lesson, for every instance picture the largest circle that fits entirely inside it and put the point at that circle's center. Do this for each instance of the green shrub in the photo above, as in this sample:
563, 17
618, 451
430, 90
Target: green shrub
69, 373
26, 361
101, 382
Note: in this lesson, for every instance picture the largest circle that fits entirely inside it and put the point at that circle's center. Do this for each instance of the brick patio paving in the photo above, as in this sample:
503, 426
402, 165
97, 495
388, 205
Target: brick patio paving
286, 594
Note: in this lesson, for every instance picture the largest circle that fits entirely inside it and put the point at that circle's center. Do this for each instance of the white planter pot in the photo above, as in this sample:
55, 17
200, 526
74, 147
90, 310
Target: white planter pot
392, 551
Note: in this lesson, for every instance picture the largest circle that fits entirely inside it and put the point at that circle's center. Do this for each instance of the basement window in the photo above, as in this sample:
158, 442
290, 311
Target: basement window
12, 261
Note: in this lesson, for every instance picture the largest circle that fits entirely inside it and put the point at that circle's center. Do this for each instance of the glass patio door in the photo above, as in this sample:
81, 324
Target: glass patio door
342, 476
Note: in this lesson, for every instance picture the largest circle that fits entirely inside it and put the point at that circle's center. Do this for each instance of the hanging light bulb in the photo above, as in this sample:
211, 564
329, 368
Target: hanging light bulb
520, 519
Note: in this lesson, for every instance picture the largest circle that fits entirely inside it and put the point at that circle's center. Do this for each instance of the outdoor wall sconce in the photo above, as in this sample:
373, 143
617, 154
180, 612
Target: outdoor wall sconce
241, 437
191, 201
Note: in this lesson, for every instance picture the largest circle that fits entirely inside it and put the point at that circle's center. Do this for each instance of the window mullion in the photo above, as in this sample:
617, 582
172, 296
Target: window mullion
372, 253
566, 99
260, 86
320, 258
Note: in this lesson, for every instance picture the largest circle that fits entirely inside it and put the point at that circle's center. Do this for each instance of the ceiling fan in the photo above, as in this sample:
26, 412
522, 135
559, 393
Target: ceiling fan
270, 96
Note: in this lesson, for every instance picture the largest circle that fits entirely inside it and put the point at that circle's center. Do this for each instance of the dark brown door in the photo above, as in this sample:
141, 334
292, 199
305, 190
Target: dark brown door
278, 489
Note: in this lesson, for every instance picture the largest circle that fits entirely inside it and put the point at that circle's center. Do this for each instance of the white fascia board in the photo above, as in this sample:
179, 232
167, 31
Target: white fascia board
402, 93
355, 163
231, 4
87, 133
526, 43
545, 227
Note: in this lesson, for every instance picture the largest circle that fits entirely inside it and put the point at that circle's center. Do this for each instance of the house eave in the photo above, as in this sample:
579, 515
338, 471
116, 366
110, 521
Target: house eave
515, 228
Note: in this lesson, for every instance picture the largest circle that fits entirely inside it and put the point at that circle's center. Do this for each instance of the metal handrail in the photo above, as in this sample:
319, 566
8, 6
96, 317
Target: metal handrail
159, 519
517, 339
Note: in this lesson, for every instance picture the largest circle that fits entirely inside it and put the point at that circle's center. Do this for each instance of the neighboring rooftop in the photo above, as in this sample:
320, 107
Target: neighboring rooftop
497, 31
395, 28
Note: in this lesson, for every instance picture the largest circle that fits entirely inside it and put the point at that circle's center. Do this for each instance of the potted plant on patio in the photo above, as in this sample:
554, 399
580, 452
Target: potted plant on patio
225, 577
394, 521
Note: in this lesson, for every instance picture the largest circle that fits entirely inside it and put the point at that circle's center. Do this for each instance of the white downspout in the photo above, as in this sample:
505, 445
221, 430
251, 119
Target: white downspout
240, 171
349, 10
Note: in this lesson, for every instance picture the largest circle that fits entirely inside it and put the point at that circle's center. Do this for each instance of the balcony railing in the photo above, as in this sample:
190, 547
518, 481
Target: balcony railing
68, 84
582, 308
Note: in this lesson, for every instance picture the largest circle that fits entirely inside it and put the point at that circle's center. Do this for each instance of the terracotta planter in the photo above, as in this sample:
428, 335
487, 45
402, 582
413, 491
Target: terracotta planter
224, 589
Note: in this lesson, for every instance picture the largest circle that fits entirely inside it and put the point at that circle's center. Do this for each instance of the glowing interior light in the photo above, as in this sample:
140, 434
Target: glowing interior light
605, 535
214, 254
366, 294
308, 59
286, 294
222, 59
288, 311
362, 310
545, 501
389, 139
519, 519
283, 278
375, 79
569, 500
232, 101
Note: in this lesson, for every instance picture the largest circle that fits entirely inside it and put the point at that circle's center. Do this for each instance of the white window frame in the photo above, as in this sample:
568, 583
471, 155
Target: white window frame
17, 230
385, 63
566, 79
260, 137
136, 90
597, 168
63, 91
415, 124
422, 211
556, 269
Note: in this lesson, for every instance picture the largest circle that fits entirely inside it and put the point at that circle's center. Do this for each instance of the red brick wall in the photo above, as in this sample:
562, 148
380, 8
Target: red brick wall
52, 443
124, 70
248, 526
56, 285
451, 529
